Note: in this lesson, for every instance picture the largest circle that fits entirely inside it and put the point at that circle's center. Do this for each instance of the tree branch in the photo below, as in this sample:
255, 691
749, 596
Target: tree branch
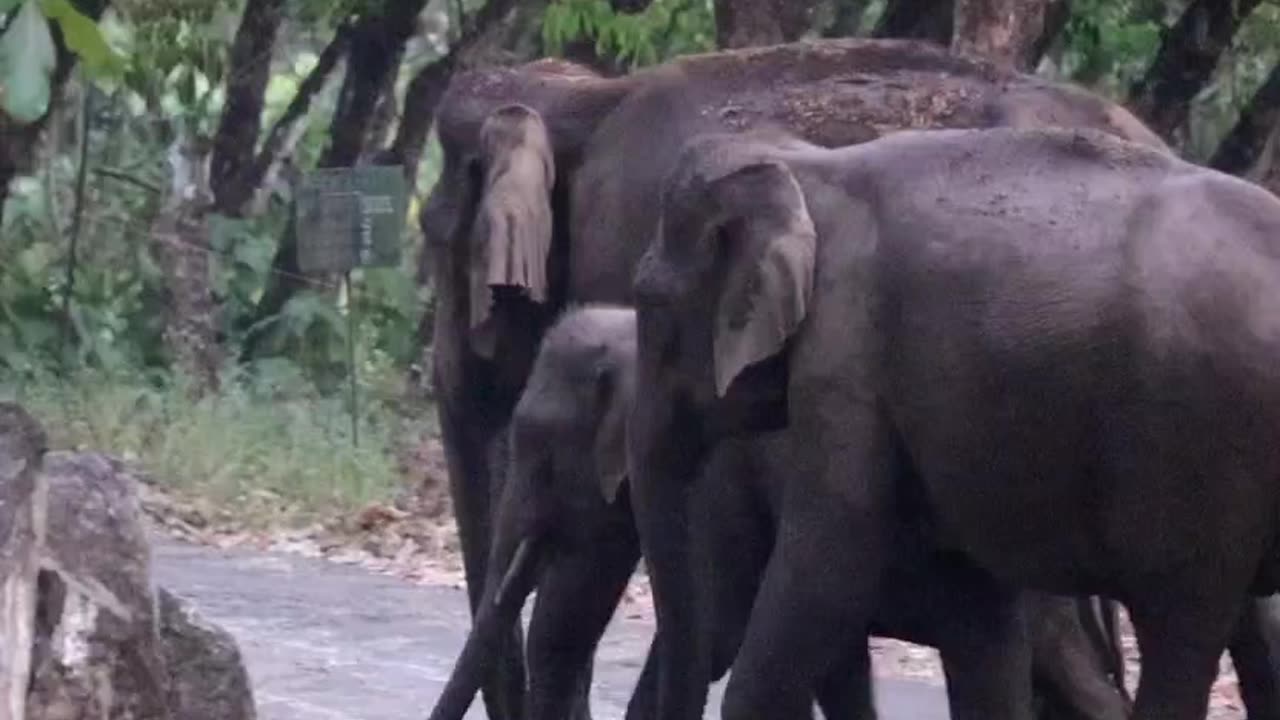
376, 44
248, 71
428, 86
1056, 16
1242, 148
127, 178
1189, 52
277, 138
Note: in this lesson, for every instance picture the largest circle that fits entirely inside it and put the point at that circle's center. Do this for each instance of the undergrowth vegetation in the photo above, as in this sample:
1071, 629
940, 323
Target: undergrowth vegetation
268, 447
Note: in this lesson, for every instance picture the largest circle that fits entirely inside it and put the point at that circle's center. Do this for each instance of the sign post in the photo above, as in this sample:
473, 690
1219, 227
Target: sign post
348, 218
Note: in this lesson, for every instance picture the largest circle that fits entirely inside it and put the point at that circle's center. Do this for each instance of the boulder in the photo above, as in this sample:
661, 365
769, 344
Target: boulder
22, 445
97, 647
86, 634
207, 677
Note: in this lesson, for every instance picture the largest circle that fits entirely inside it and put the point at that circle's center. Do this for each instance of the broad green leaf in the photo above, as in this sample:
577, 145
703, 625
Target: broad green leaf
27, 60
83, 37
8, 5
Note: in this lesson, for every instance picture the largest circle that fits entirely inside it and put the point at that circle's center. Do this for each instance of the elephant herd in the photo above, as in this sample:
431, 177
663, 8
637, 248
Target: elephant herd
850, 338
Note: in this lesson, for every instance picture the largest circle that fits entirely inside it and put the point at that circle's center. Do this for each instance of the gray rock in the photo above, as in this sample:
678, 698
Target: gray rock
207, 677
97, 642
83, 632
22, 444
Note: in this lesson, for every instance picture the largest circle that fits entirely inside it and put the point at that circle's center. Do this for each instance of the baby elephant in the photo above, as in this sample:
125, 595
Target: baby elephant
564, 527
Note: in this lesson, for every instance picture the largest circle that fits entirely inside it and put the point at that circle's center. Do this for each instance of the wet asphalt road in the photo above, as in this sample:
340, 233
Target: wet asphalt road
325, 641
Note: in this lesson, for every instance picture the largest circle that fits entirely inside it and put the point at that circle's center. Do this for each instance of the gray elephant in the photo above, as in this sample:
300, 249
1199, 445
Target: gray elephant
1059, 347
565, 527
522, 219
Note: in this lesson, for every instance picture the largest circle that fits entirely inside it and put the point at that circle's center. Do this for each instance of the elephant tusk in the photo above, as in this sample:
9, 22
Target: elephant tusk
524, 553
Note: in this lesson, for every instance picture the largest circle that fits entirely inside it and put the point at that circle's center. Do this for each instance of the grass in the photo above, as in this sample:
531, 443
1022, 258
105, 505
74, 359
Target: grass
270, 452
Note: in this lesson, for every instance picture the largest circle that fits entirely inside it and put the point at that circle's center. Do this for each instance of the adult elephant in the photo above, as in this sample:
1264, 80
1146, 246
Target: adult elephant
1061, 347
565, 528
528, 213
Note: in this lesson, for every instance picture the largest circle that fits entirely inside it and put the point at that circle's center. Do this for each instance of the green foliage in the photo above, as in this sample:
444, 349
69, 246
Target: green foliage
27, 59
1109, 44
83, 38
665, 29
1253, 53
28, 56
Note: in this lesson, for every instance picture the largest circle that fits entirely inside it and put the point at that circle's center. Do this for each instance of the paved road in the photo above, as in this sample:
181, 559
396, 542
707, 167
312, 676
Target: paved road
325, 641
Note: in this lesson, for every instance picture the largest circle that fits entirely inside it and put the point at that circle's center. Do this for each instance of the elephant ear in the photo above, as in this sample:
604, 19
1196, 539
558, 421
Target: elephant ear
512, 233
768, 243
610, 449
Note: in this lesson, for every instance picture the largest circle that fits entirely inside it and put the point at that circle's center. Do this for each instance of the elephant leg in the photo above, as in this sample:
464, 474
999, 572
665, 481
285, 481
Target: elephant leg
985, 650
845, 692
824, 576
468, 437
576, 598
1181, 642
732, 537
581, 707
1068, 668
643, 704
1254, 655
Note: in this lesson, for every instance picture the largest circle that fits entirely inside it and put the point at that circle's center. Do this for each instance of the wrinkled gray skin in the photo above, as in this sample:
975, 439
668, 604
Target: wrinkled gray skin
565, 527
1061, 348
512, 232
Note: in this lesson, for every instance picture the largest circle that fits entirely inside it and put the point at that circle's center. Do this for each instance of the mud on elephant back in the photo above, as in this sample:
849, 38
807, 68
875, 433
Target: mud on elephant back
548, 185
1060, 346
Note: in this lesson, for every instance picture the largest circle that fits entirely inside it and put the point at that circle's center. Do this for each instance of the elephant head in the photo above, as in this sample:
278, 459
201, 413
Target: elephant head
569, 427
510, 138
730, 274
561, 496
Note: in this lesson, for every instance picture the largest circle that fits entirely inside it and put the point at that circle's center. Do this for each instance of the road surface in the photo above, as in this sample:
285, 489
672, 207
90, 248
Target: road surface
325, 641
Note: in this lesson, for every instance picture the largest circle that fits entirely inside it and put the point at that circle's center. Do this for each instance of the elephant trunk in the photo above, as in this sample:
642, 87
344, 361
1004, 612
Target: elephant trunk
504, 596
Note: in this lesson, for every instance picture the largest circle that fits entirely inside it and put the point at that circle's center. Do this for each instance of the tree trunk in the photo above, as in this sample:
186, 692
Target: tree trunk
428, 85
848, 18
284, 133
1189, 52
248, 71
180, 246
1006, 31
1253, 137
376, 43
929, 20
749, 23
1056, 16
218, 180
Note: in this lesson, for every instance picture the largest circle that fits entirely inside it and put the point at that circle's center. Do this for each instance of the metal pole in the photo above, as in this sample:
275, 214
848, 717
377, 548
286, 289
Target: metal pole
351, 358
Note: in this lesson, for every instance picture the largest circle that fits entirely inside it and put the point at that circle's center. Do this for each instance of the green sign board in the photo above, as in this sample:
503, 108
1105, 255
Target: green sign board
351, 217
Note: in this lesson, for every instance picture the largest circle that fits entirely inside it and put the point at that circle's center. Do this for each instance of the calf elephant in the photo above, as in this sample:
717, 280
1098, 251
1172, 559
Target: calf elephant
523, 217
1060, 346
565, 527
